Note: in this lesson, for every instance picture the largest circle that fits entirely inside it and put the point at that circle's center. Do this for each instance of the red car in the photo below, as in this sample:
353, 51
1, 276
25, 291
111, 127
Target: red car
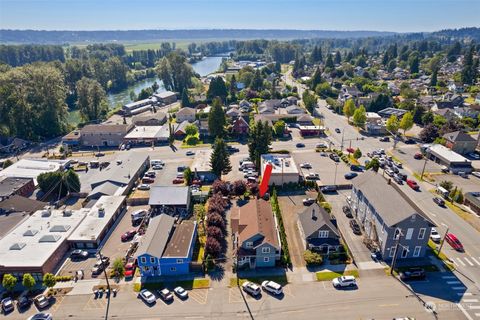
128, 235
350, 150
148, 180
418, 156
129, 270
413, 184
178, 181
454, 242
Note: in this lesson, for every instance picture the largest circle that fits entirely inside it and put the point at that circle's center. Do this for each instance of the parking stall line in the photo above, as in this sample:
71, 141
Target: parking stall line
474, 307
475, 260
469, 262
461, 262
465, 294
470, 300
454, 282
449, 277
458, 288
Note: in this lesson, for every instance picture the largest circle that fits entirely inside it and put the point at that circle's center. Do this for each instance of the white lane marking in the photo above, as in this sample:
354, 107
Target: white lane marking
475, 260
464, 294
469, 262
449, 277
459, 305
470, 300
477, 314
443, 224
453, 282
461, 262
459, 288
474, 307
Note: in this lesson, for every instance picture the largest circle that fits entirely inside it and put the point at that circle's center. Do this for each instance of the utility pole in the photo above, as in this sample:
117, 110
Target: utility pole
343, 136
108, 284
423, 170
443, 241
394, 261
335, 178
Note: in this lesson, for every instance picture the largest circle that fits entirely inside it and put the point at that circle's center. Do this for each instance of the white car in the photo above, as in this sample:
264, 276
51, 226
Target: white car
181, 293
251, 288
308, 201
147, 296
41, 301
41, 316
144, 186
476, 174
435, 236
305, 165
272, 287
344, 281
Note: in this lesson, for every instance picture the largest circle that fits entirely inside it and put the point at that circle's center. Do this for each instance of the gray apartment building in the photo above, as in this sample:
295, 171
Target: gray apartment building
104, 135
386, 214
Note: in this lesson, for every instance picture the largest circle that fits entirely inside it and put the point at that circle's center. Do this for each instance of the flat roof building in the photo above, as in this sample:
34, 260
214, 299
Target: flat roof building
146, 135
32, 168
19, 186
98, 221
170, 200
455, 162
284, 168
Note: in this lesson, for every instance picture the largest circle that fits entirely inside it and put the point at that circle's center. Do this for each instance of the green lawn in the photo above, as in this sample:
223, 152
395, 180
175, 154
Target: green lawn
330, 275
278, 279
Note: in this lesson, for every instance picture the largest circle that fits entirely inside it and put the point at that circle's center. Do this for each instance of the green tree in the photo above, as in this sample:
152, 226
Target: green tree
309, 100
373, 164
191, 129
312, 258
349, 108
329, 63
406, 123
217, 88
357, 154
28, 281
427, 118
7, 163
414, 63
447, 185
118, 268
470, 67
279, 128
434, 78
392, 124
220, 158
257, 81
188, 176
59, 183
316, 79
259, 141
233, 88
9, 282
185, 99
217, 119
91, 99
175, 72
49, 280
360, 117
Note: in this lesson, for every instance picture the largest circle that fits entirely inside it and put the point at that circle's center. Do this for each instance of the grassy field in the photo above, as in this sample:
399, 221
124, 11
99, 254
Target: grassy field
330, 275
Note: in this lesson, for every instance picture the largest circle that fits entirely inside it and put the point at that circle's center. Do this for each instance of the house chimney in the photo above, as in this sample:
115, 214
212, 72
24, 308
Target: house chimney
313, 214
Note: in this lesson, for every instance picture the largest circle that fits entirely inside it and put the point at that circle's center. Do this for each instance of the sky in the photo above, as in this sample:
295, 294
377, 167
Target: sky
377, 15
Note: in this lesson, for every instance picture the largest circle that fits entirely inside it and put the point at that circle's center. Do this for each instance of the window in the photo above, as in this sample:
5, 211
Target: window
152, 260
409, 234
249, 244
323, 234
397, 234
421, 234
265, 250
143, 260
173, 269
266, 259
392, 252
404, 252
179, 260
417, 251
146, 269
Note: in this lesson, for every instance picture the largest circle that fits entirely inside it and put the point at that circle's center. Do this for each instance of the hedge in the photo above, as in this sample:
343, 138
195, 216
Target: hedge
286, 260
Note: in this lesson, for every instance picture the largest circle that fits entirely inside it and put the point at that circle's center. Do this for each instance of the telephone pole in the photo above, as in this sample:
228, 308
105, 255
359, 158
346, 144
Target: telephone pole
394, 260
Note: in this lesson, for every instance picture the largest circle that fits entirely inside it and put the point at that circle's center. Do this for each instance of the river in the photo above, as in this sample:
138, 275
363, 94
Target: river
203, 68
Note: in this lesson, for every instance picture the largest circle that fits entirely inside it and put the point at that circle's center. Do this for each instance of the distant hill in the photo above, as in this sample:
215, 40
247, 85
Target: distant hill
462, 33
77, 37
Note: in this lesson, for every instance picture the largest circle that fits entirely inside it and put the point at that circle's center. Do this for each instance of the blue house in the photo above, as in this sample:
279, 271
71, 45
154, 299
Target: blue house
166, 248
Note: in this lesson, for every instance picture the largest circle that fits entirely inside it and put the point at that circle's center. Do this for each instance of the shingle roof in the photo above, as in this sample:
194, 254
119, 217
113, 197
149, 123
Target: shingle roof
387, 201
312, 222
186, 111
156, 238
181, 241
458, 136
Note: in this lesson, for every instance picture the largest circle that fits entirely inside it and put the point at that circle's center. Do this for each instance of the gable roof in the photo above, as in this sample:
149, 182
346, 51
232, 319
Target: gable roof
256, 217
458, 136
389, 203
156, 238
182, 240
186, 111
313, 218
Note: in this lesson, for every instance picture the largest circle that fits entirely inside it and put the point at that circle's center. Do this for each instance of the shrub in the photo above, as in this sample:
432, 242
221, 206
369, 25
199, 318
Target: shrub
213, 247
239, 187
215, 232
9, 282
49, 280
327, 206
191, 140
312, 258
253, 188
216, 220
220, 186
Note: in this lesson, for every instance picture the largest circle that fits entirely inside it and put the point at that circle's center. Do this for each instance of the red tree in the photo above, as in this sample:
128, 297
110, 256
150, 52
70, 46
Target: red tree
214, 219
213, 247
221, 186
215, 232
239, 187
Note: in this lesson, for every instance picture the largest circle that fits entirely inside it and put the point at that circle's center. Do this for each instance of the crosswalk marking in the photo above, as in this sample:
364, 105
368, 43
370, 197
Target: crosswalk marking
477, 314
459, 288
474, 307
461, 262
469, 262
475, 260
453, 282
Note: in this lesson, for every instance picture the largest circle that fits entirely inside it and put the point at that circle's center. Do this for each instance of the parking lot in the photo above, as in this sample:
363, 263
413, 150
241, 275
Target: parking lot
405, 154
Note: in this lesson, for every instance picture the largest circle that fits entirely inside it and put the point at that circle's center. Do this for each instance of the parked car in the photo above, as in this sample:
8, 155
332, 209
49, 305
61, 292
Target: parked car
181, 293
41, 301
354, 167
337, 130
327, 189
344, 281
474, 156
439, 201
410, 141
334, 157
157, 167
476, 174
418, 156
41, 316
79, 254
384, 139
305, 165
350, 175
308, 201
355, 227
144, 186
165, 294
147, 296
413, 184
138, 215
463, 174
7, 305
321, 145
146, 179
100, 265
23, 302
272, 287
389, 172
454, 242
350, 150
413, 274
251, 288
128, 235
435, 236
312, 176
300, 145
178, 181
347, 211
398, 179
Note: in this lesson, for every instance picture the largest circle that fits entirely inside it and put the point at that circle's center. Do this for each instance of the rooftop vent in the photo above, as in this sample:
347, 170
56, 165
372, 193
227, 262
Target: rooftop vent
49, 238
30, 232
18, 246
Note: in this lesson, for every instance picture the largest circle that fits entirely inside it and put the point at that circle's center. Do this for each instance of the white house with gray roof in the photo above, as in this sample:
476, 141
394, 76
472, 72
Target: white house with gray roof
385, 214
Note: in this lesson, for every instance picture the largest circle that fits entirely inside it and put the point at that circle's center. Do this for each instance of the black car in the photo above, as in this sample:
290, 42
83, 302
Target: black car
79, 254
232, 149
384, 139
413, 274
24, 302
410, 141
350, 175
337, 130
326, 189
355, 227
300, 145
334, 157
347, 211
354, 167
439, 201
